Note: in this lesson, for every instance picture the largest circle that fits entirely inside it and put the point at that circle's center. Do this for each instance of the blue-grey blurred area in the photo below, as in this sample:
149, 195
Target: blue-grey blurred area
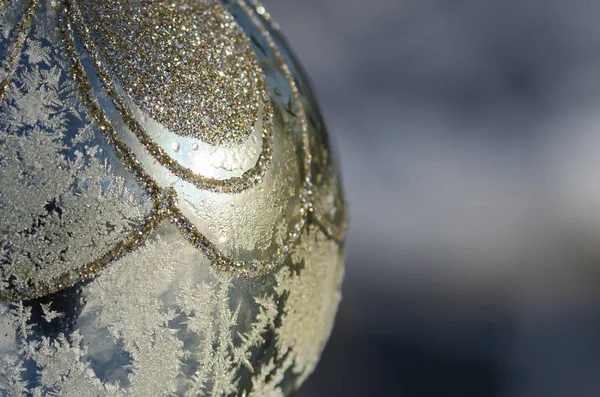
469, 137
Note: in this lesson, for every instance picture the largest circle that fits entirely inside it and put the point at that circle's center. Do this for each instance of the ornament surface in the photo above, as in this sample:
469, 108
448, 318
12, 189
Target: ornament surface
171, 213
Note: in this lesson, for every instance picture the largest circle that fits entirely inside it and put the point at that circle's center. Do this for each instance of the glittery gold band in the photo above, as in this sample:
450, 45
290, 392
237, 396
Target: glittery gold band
334, 230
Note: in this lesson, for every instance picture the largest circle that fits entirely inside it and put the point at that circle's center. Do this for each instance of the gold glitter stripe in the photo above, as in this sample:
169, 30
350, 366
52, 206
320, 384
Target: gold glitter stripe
232, 185
137, 236
248, 269
86, 91
295, 92
89, 270
334, 231
15, 53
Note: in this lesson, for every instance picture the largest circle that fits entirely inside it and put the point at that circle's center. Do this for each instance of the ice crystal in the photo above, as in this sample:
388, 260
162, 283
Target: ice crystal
59, 182
160, 320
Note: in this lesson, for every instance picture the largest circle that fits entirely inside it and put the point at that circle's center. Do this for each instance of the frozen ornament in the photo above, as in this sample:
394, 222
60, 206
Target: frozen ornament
171, 218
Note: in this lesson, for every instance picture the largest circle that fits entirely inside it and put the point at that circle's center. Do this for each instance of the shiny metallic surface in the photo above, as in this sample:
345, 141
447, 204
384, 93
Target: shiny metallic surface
142, 253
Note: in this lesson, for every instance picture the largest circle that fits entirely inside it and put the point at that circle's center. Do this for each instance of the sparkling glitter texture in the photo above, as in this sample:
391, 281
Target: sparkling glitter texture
171, 215
187, 64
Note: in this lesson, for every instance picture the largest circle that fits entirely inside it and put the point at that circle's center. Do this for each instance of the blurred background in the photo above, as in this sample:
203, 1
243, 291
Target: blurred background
469, 138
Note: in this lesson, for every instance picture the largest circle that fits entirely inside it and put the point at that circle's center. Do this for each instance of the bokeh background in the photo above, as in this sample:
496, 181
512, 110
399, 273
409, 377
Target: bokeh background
469, 137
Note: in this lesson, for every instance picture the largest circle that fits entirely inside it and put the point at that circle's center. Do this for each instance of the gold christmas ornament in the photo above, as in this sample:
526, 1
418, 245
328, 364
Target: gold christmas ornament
171, 214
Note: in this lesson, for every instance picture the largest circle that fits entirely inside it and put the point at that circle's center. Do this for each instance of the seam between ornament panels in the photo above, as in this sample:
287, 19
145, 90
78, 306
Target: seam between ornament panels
17, 48
336, 232
164, 207
232, 185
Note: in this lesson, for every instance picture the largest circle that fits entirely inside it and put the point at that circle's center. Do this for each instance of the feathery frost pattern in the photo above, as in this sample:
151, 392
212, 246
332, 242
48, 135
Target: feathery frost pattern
161, 320
176, 327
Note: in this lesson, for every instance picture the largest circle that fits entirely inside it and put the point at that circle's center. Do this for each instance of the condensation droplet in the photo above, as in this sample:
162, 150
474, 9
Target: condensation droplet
195, 147
175, 146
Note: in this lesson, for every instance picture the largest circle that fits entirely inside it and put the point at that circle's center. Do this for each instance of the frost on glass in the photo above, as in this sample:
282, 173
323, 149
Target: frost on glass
161, 319
162, 322
64, 199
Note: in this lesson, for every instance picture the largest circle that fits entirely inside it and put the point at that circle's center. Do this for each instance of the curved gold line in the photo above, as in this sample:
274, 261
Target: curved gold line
231, 185
89, 270
295, 92
15, 53
336, 231
136, 237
